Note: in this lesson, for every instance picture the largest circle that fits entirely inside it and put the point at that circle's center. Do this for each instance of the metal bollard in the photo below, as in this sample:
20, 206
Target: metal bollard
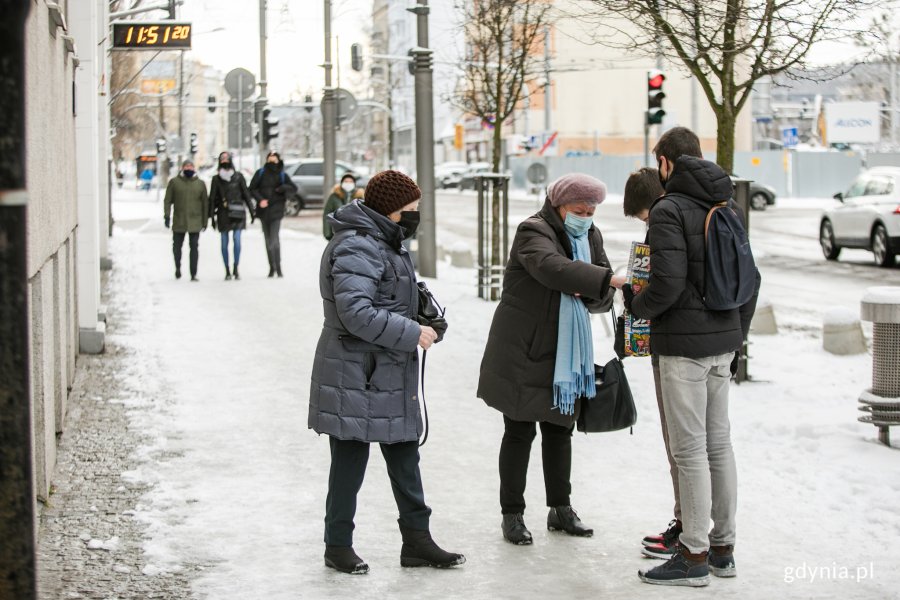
881, 306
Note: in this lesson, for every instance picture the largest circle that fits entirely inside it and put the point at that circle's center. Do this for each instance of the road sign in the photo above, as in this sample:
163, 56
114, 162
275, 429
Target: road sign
346, 105
789, 137
240, 82
157, 86
536, 173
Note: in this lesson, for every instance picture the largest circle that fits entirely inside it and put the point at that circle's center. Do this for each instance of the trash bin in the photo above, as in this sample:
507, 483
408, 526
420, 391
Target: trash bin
881, 403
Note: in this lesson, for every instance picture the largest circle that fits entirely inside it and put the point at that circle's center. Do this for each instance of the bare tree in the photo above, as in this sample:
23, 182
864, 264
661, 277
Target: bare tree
883, 43
503, 46
727, 45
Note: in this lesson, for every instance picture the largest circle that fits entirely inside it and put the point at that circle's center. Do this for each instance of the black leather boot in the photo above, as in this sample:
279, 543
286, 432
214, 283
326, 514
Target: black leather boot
514, 530
564, 518
228, 273
236, 276
278, 269
419, 550
345, 560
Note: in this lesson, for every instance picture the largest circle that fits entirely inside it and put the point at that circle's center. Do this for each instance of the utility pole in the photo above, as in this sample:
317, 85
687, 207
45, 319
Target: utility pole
162, 159
328, 109
547, 88
17, 526
263, 84
427, 245
181, 106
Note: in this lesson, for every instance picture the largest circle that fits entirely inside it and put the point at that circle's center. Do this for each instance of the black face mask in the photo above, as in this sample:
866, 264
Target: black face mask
409, 221
272, 166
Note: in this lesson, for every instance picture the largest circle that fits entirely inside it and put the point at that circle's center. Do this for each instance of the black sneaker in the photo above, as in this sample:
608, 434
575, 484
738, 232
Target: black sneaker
683, 568
514, 530
721, 561
671, 533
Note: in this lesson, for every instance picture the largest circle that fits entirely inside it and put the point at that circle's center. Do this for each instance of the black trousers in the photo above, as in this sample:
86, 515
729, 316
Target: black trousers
515, 450
271, 230
178, 242
348, 468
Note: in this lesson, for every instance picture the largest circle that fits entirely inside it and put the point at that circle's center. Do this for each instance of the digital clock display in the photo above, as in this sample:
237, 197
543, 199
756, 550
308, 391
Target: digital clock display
152, 36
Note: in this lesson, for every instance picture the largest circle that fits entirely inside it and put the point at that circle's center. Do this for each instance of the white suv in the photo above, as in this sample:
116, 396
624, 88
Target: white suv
868, 217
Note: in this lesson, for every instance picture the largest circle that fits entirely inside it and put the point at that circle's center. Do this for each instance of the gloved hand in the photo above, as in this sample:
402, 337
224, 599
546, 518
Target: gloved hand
627, 296
166, 222
734, 363
439, 324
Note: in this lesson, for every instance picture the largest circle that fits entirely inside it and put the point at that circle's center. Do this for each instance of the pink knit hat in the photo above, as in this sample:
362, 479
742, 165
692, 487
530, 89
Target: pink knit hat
576, 187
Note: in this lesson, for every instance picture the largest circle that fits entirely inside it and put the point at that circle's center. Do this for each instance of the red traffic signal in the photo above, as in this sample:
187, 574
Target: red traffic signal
655, 80
655, 95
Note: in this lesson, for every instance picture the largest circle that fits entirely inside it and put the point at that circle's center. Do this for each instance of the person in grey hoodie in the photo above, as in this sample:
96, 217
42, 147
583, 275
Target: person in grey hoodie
365, 381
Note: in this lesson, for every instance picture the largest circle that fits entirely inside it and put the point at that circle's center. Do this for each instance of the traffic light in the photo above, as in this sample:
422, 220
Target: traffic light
307, 100
211, 100
270, 126
160, 145
193, 144
412, 61
356, 57
655, 95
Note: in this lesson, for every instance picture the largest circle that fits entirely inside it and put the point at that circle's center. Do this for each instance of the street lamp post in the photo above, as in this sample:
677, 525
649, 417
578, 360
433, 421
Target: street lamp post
427, 246
328, 109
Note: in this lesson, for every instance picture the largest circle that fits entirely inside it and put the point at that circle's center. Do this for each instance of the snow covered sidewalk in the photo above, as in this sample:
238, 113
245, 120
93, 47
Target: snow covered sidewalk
236, 483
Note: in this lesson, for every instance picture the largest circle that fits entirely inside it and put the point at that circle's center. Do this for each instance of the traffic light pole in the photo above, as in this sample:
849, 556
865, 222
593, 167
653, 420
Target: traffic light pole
263, 84
17, 519
427, 245
646, 139
329, 116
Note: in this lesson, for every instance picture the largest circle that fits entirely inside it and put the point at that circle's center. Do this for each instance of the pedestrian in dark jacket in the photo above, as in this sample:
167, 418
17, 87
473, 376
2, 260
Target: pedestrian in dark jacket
186, 209
696, 347
342, 194
365, 371
557, 273
229, 204
642, 189
270, 187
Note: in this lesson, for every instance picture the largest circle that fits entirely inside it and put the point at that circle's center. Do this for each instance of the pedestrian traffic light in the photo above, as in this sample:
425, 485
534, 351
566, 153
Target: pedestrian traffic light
307, 100
655, 95
356, 57
160, 145
193, 144
211, 100
412, 61
270, 126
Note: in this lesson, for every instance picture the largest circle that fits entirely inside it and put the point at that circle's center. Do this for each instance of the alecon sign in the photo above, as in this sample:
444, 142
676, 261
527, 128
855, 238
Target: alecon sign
853, 122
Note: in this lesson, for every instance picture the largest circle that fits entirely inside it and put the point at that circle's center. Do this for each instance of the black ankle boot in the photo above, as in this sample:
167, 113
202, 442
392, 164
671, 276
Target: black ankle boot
177, 272
419, 550
345, 560
564, 518
514, 530
271, 272
228, 273
236, 276
278, 270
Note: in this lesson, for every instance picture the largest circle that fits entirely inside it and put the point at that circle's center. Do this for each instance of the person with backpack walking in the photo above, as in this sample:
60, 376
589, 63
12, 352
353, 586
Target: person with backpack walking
270, 187
229, 204
696, 346
365, 375
538, 360
186, 210
342, 194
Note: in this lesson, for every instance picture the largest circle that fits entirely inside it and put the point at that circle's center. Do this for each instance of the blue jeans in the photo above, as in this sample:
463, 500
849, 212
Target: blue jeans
695, 401
236, 234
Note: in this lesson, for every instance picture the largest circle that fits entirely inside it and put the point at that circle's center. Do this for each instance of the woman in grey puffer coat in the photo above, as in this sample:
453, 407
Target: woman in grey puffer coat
365, 374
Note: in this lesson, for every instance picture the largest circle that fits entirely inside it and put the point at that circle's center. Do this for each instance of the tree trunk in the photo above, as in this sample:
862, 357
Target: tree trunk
725, 120
496, 154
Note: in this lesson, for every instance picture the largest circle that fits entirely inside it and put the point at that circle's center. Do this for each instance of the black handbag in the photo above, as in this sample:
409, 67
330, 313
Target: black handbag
431, 313
612, 408
236, 210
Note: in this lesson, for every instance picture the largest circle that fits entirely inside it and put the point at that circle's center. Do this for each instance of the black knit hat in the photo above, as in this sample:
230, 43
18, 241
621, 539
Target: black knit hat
389, 191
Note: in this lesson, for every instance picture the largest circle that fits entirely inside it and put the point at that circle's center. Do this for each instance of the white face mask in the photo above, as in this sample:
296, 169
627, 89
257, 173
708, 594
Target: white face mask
226, 174
347, 186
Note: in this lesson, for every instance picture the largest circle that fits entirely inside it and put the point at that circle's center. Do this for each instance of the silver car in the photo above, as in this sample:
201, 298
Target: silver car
868, 217
307, 175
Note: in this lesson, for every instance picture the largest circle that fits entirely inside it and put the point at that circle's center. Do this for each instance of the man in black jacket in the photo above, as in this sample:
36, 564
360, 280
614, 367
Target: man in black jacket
696, 347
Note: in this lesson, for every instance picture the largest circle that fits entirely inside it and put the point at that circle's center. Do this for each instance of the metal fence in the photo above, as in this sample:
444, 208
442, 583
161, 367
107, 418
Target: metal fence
799, 174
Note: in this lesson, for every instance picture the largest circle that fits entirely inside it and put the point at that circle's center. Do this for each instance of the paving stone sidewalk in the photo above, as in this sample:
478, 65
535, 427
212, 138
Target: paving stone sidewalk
89, 543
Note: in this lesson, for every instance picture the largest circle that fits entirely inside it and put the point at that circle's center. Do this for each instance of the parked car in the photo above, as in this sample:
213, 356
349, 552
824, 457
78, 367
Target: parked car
467, 179
867, 217
307, 175
446, 175
761, 196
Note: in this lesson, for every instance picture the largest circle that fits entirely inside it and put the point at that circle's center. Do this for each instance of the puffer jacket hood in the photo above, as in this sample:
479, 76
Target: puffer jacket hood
362, 219
703, 181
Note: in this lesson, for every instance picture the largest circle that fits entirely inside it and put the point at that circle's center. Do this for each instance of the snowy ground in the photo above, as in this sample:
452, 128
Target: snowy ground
239, 482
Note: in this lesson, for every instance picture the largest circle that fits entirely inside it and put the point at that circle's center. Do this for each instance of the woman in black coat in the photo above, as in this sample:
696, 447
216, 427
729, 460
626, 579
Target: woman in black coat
270, 187
520, 358
229, 204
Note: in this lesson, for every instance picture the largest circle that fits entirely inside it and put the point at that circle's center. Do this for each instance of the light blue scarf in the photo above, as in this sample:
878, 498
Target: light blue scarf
573, 376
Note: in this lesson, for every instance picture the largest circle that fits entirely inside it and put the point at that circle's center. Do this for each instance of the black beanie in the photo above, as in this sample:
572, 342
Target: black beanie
389, 191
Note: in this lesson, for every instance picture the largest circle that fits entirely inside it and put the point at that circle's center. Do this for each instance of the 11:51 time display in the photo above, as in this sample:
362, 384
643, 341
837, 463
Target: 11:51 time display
152, 36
